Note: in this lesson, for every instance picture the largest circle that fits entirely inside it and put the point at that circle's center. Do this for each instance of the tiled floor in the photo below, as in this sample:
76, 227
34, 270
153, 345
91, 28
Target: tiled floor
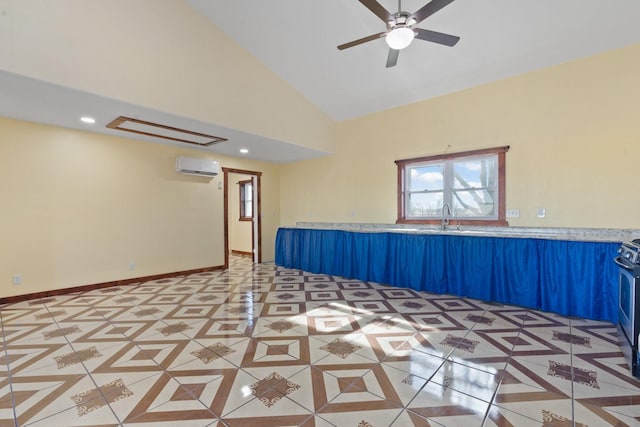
266, 346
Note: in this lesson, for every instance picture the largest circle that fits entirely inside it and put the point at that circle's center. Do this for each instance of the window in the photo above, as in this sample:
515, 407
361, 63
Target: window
246, 200
466, 188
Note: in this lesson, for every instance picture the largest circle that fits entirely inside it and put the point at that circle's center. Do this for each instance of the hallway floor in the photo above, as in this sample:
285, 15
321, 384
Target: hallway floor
259, 345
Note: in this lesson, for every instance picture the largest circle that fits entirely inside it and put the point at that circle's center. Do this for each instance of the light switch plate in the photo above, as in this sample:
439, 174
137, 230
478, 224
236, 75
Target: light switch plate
513, 213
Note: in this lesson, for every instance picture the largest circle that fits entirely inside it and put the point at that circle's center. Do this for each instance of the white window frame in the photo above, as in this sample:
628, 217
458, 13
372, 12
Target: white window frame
447, 161
246, 200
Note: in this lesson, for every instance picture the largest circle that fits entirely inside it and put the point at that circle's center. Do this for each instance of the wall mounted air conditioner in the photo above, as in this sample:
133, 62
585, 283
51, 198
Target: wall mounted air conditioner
200, 167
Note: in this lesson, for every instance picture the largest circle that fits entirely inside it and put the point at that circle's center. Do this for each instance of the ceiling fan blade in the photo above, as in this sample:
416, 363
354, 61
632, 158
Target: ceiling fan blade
362, 40
377, 9
429, 9
436, 37
392, 58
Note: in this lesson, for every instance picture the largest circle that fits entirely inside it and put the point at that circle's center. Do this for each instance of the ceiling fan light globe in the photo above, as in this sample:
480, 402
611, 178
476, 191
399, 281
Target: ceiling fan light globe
399, 38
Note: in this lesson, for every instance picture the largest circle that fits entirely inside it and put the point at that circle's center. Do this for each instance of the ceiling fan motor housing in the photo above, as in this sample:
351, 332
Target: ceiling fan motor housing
401, 19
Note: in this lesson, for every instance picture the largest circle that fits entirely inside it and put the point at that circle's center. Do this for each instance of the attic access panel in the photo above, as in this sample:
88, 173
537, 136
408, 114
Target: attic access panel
157, 130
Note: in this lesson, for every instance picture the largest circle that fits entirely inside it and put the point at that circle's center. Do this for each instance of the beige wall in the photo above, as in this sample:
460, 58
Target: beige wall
78, 207
240, 235
159, 54
574, 133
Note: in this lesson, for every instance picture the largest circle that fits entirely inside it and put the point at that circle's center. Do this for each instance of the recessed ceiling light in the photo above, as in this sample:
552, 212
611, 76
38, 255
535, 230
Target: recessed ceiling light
244, 151
87, 119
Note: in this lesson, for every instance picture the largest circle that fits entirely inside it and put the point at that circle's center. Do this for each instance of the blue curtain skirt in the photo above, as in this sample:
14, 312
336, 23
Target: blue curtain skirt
571, 278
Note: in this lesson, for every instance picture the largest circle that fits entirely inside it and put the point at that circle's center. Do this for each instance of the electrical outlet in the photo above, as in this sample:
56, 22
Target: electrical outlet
513, 213
132, 265
17, 279
542, 212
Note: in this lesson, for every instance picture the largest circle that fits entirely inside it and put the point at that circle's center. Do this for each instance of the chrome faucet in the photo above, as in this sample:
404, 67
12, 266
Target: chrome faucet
445, 219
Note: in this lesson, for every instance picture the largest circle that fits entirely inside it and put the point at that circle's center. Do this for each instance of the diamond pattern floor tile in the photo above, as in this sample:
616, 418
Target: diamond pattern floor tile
269, 346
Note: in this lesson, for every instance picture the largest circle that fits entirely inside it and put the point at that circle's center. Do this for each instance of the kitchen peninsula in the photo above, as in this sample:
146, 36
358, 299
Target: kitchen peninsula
562, 270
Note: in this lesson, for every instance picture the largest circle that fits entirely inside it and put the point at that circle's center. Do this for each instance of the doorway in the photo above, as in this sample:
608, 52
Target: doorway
249, 202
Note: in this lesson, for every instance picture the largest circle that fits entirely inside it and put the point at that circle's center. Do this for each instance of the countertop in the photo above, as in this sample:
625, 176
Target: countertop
575, 234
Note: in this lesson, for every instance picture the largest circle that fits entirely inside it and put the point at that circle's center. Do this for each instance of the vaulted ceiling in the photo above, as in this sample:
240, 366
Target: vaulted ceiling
298, 39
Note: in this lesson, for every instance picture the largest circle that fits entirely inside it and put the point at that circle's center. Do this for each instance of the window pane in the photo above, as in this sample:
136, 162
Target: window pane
425, 205
475, 173
473, 203
471, 183
474, 182
426, 178
246, 200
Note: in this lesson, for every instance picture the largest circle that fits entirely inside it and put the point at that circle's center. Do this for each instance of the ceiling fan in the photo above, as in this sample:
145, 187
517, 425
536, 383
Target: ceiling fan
400, 28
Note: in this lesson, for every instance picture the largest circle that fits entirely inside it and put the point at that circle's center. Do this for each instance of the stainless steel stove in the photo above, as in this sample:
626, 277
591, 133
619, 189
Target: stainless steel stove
628, 261
629, 252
